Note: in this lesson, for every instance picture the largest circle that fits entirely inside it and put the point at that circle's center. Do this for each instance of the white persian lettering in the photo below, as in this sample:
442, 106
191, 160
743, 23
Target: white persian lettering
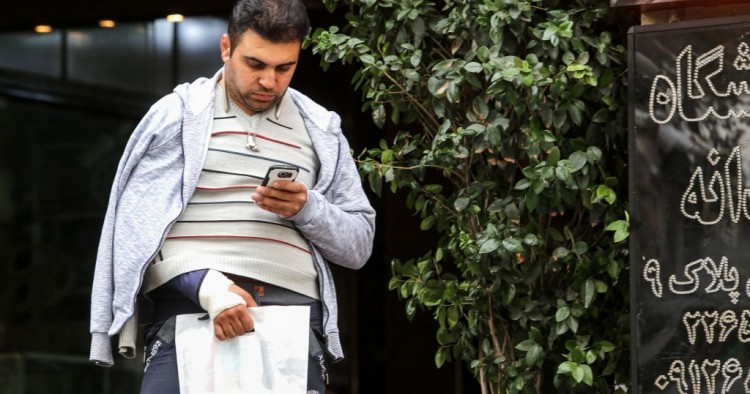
694, 76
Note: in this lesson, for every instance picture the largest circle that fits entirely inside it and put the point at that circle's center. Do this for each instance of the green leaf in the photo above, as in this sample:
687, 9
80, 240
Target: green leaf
378, 116
376, 182
562, 314
509, 292
577, 67
578, 373
566, 367
620, 228
580, 247
367, 59
440, 357
404, 291
526, 345
453, 316
512, 212
523, 184
531, 240
604, 346
437, 86
461, 203
572, 323
577, 160
387, 156
489, 245
531, 200
480, 108
601, 116
613, 269
593, 154
433, 188
416, 58
438, 254
589, 292
548, 136
588, 375
533, 355
512, 245
473, 67
427, 223
560, 253
604, 192
617, 225
496, 206
393, 283
432, 294
575, 115
535, 334
554, 156
590, 357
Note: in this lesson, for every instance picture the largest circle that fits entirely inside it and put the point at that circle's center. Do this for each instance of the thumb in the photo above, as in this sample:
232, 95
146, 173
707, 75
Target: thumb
244, 294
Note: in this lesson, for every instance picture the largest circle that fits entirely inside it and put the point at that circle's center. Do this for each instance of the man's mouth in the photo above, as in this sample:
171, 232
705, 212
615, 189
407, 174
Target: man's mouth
263, 96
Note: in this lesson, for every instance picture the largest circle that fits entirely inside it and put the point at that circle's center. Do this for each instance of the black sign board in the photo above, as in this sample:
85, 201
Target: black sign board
690, 207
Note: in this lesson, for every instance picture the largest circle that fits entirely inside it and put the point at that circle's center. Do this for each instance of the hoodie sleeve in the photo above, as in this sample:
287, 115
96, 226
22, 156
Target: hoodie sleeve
341, 222
156, 126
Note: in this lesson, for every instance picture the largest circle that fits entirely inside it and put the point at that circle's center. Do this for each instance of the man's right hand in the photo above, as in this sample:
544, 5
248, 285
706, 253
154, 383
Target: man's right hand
235, 321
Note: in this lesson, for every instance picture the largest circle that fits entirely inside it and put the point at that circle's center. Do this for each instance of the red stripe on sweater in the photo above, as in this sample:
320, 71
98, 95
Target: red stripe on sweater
226, 188
239, 237
257, 136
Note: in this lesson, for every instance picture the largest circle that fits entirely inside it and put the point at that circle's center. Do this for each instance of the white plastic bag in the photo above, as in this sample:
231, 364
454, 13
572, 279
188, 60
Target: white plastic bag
273, 359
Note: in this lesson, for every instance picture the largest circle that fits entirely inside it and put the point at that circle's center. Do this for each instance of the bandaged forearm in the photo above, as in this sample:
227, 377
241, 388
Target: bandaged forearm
214, 295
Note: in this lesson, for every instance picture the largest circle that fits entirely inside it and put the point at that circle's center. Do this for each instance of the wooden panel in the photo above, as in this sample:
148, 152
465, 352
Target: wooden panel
661, 4
622, 3
660, 16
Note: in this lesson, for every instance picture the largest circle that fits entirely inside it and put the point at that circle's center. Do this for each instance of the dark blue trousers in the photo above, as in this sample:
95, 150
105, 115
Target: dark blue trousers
160, 369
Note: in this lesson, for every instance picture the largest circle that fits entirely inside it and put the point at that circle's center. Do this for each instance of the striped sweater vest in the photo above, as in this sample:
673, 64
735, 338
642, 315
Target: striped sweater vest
222, 228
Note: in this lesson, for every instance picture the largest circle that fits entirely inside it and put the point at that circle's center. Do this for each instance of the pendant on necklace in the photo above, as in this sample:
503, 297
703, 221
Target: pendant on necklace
251, 144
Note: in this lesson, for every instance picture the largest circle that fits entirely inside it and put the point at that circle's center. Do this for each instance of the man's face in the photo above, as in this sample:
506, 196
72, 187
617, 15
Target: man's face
258, 72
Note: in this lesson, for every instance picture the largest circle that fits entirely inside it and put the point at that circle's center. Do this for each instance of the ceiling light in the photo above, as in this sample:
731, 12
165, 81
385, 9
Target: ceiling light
175, 18
43, 28
107, 23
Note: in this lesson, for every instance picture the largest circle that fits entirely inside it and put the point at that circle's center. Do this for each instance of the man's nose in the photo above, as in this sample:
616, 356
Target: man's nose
267, 78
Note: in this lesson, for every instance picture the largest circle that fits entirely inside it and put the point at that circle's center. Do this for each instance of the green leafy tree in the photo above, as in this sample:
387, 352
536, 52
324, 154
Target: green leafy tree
508, 132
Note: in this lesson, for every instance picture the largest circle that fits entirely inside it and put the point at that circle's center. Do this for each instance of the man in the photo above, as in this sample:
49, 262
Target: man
189, 226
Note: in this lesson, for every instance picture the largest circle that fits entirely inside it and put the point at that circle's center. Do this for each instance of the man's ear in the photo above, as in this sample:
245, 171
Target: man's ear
225, 48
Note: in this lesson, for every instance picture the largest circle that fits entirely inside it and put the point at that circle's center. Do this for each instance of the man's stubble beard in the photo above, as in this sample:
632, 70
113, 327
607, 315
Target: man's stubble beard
244, 101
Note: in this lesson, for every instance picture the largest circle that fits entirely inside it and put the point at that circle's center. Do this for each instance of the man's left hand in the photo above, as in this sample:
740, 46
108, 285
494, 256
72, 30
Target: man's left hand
284, 198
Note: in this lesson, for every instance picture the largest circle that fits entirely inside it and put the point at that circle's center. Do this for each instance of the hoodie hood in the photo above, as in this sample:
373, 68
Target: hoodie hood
197, 96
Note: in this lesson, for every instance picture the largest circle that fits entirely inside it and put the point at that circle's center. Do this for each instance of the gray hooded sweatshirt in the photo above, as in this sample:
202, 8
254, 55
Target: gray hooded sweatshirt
157, 176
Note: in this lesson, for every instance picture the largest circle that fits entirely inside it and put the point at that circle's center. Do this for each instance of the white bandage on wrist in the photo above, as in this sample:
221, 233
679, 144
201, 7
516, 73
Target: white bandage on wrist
214, 295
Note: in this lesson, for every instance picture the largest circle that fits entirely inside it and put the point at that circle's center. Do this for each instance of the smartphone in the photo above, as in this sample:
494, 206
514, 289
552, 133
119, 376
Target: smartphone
280, 173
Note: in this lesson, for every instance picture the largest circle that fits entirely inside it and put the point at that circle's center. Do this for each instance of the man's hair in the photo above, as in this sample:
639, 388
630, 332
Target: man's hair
278, 21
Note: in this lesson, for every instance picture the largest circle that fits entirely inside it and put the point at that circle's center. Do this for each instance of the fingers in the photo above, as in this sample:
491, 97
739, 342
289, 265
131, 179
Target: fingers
288, 186
233, 322
219, 332
285, 198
